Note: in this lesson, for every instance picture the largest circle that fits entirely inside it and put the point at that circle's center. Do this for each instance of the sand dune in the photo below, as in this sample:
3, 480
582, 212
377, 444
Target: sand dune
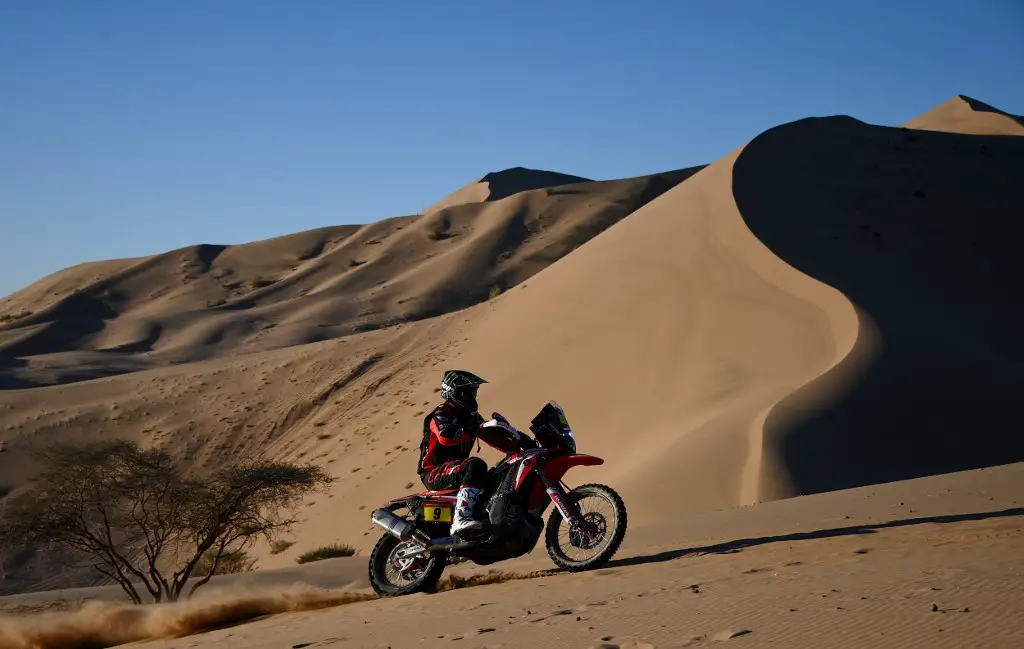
501, 184
831, 305
919, 231
963, 114
209, 301
881, 258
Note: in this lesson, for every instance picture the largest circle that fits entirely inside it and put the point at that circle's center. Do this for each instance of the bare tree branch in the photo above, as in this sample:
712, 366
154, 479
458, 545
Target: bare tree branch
144, 520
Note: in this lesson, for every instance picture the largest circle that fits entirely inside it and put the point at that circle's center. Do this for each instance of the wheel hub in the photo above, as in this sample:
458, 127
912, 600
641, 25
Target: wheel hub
407, 561
589, 533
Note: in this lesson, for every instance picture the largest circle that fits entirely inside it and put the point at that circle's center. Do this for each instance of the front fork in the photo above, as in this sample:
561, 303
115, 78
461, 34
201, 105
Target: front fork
570, 512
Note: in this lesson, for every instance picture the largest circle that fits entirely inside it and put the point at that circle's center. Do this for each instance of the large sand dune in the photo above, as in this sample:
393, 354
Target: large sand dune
831, 305
836, 304
211, 301
918, 230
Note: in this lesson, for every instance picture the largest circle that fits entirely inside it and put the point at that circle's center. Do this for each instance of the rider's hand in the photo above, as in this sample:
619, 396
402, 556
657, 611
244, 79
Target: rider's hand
497, 421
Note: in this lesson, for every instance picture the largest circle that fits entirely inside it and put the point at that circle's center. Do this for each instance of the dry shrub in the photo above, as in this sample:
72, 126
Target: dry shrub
326, 552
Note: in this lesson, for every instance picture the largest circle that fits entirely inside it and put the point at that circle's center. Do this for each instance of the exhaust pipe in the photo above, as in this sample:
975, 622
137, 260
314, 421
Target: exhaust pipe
401, 529
398, 527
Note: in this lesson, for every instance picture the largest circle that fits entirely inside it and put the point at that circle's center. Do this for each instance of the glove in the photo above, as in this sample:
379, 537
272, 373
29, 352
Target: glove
501, 418
498, 421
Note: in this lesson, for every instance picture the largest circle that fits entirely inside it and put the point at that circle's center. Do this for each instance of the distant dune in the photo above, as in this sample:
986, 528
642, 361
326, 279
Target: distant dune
502, 184
834, 304
963, 114
209, 301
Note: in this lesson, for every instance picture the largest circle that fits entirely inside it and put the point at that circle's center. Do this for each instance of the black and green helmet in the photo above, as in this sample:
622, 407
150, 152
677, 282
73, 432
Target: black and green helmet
460, 386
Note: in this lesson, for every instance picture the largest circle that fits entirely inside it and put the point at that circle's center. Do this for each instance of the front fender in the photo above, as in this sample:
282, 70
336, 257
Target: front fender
559, 466
555, 468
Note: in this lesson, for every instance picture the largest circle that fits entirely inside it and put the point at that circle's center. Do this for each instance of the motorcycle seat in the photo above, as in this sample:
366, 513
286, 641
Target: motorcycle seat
441, 492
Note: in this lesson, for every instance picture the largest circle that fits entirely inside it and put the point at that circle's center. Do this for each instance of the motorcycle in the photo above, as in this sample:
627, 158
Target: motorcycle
416, 547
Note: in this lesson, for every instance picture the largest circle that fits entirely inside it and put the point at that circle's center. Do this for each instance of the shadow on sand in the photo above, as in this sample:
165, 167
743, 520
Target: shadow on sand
739, 545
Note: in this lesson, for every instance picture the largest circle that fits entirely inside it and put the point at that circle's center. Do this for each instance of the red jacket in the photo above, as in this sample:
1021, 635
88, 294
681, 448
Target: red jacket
449, 431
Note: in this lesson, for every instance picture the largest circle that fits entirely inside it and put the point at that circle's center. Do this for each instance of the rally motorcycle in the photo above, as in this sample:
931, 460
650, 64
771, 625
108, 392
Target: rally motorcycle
584, 530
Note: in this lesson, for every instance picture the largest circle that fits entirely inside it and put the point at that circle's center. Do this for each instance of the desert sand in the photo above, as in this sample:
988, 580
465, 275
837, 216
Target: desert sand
932, 562
831, 306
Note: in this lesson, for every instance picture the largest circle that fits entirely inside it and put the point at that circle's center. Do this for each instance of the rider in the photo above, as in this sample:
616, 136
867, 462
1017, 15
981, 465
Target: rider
448, 434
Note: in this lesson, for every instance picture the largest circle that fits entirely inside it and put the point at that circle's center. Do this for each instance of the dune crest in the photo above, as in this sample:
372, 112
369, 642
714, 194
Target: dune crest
962, 114
502, 184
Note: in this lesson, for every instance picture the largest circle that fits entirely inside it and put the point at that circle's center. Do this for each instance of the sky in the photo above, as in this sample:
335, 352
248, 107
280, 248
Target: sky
133, 128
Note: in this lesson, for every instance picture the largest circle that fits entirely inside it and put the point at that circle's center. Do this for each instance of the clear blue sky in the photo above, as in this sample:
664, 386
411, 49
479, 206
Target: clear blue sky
130, 128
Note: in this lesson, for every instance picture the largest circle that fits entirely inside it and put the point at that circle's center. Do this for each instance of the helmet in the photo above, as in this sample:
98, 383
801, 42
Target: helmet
459, 386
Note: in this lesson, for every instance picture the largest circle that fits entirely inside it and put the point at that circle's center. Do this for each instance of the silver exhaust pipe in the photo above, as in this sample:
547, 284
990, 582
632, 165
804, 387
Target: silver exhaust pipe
398, 527
403, 530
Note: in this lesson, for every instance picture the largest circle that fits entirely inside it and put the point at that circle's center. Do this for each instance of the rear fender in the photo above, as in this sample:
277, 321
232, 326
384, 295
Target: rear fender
555, 468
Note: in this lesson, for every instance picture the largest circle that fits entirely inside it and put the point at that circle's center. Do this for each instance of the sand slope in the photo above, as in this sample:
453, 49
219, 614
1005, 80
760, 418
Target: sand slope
881, 257
963, 114
210, 301
692, 329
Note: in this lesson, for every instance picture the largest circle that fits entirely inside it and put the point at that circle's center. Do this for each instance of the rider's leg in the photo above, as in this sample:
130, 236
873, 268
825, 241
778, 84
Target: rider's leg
473, 472
469, 476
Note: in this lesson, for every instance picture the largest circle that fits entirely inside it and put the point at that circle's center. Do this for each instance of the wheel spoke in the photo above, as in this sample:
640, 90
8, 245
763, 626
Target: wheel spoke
402, 570
595, 531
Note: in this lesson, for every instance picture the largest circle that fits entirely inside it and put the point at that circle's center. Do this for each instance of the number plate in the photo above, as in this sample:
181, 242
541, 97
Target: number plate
438, 513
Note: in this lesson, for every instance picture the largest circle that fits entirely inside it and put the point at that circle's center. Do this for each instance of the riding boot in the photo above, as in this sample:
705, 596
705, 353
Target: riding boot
463, 520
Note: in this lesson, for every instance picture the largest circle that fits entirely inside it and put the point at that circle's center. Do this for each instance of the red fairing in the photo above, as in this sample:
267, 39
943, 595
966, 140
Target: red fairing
555, 468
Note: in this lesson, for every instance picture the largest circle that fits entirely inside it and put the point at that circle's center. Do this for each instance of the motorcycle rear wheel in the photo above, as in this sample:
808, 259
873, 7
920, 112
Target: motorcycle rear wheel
423, 575
611, 532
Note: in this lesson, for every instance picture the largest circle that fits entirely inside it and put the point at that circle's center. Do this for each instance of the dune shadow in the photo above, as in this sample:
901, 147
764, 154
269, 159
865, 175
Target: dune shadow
921, 235
738, 545
63, 325
503, 184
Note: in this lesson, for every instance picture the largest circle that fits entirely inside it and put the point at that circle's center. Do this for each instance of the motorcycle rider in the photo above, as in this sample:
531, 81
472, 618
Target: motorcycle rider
449, 431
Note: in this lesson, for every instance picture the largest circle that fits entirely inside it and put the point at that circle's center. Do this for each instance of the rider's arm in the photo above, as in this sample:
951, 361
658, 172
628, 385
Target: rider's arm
500, 434
446, 432
499, 438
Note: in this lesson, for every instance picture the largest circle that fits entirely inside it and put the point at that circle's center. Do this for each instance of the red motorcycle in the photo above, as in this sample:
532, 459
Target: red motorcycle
583, 532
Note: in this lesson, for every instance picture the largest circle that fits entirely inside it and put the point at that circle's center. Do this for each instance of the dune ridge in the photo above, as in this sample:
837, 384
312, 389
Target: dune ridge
963, 114
501, 184
210, 301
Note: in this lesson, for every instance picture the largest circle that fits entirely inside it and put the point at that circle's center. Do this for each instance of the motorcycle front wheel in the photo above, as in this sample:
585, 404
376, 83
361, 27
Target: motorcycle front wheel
592, 543
393, 574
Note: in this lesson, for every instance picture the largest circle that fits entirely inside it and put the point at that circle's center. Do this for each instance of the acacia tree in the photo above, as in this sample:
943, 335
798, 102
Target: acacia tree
142, 520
